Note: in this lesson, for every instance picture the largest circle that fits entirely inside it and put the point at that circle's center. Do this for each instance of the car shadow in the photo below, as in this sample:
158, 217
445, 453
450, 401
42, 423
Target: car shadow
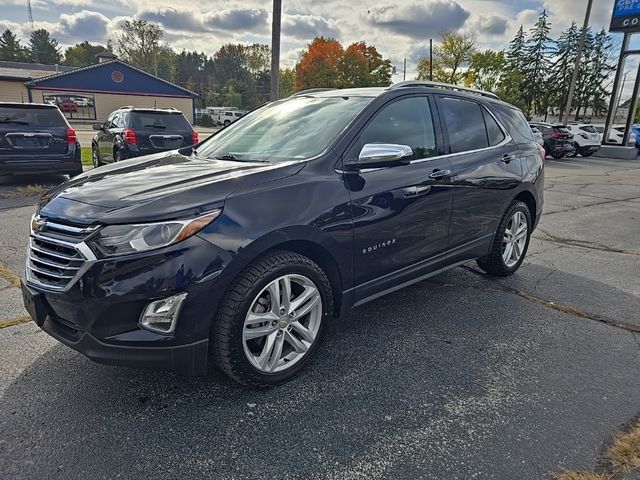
433, 365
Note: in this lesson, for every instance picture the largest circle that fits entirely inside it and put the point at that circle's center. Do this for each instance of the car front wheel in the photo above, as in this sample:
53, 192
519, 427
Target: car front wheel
510, 242
270, 323
95, 159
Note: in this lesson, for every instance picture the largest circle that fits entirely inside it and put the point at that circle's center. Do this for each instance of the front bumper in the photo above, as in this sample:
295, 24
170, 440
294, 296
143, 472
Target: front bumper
98, 315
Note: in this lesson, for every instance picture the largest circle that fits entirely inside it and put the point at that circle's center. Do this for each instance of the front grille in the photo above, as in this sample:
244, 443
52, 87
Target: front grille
57, 254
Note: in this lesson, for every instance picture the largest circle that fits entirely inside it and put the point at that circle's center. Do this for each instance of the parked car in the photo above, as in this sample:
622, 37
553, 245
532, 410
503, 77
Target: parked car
131, 132
36, 138
67, 106
586, 138
635, 129
616, 134
242, 248
558, 142
537, 135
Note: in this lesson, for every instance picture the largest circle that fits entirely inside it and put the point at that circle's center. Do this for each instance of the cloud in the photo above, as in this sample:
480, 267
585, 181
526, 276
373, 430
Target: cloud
492, 25
419, 20
87, 25
307, 27
241, 19
173, 19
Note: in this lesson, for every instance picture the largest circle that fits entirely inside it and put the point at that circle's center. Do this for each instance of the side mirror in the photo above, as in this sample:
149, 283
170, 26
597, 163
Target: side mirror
97, 126
379, 155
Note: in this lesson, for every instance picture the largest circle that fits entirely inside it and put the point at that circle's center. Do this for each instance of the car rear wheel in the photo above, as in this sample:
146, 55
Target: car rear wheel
557, 156
118, 156
510, 243
270, 323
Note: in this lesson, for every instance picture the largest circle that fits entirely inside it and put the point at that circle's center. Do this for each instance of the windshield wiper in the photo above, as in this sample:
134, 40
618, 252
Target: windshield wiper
227, 156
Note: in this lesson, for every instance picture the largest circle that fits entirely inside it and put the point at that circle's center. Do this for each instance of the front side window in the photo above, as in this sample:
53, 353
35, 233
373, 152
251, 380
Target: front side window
465, 124
404, 122
296, 128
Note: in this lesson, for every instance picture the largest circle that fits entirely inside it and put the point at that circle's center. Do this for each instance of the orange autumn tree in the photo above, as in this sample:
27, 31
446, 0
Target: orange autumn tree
326, 64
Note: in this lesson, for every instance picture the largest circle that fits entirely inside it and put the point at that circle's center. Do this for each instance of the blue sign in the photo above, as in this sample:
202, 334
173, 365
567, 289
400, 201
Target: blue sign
624, 8
626, 16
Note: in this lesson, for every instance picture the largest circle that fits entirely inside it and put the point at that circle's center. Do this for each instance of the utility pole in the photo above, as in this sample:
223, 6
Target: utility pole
576, 68
275, 49
431, 59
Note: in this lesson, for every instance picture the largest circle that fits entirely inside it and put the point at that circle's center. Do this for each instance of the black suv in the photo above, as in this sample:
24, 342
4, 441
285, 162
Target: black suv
558, 141
132, 132
241, 248
36, 138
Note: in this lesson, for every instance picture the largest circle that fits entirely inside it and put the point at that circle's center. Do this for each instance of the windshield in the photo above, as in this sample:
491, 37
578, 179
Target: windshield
293, 129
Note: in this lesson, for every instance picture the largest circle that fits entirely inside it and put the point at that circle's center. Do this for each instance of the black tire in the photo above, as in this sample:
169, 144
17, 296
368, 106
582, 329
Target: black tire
226, 344
557, 156
493, 263
575, 152
74, 173
586, 154
118, 156
95, 157
227, 123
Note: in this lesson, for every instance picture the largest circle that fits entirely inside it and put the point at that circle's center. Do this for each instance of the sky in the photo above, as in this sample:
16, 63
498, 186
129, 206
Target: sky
398, 29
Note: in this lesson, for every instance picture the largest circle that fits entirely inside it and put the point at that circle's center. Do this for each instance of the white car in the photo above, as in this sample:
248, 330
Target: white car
586, 138
228, 117
616, 135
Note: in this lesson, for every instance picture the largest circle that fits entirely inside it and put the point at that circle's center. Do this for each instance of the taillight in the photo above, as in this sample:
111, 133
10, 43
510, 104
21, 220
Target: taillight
542, 152
72, 138
195, 137
130, 136
556, 134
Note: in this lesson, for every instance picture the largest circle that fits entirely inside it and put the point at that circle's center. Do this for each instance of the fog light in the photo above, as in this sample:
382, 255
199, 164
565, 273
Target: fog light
161, 316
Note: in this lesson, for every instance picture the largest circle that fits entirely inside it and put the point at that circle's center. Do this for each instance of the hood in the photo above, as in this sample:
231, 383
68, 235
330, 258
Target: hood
156, 187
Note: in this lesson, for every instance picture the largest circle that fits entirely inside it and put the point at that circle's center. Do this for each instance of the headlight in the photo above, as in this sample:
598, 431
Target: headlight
122, 239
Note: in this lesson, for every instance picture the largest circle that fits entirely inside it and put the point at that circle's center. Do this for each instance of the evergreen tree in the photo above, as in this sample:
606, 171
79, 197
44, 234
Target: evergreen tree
43, 48
562, 69
515, 52
10, 48
536, 55
595, 74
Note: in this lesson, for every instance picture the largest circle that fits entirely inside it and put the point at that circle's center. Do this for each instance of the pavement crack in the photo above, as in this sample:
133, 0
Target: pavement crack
573, 242
9, 276
557, 306
593, 205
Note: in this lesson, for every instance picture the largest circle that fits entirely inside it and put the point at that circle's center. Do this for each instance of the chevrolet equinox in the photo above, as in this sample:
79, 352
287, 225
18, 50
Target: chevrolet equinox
239, 249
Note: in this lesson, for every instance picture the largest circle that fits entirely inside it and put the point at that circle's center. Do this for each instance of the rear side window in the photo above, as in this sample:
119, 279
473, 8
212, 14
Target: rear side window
494, 132
32, 116
515, 120
159, 121
404, 122
465, 124
588, 129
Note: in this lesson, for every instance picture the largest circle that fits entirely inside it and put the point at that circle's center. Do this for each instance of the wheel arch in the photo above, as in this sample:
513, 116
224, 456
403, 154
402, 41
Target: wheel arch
530, 200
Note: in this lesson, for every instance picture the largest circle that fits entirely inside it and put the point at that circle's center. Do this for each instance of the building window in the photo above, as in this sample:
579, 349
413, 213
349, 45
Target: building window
74, 107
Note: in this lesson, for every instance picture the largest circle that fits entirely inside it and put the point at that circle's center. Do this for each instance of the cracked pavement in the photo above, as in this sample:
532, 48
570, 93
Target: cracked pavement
458, 377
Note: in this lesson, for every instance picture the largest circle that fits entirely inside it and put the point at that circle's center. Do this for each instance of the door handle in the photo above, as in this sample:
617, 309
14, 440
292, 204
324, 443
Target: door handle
438, 174
507, 158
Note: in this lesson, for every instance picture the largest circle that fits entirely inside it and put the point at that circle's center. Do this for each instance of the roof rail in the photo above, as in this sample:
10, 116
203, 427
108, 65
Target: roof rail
312, 90
445, 86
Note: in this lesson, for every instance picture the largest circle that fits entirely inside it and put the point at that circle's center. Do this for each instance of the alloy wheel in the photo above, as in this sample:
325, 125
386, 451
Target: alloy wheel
515, 239
94, 158
282, 323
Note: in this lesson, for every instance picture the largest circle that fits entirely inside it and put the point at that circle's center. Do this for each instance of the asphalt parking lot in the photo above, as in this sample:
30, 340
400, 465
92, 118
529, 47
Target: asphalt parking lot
458, 377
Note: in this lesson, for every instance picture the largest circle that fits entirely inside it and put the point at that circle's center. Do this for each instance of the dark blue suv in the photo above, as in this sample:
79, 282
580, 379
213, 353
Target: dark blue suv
239, 249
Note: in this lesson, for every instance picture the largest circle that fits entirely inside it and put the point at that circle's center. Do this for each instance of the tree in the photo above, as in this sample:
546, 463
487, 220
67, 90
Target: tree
43, 48
561, 72
139, 44
319, 66
598, 65
424, 71
258, 58
287, 82
536, 66
363, 66
485, 70
515, 53
451, 55
510, 88
82, 54
10, 48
